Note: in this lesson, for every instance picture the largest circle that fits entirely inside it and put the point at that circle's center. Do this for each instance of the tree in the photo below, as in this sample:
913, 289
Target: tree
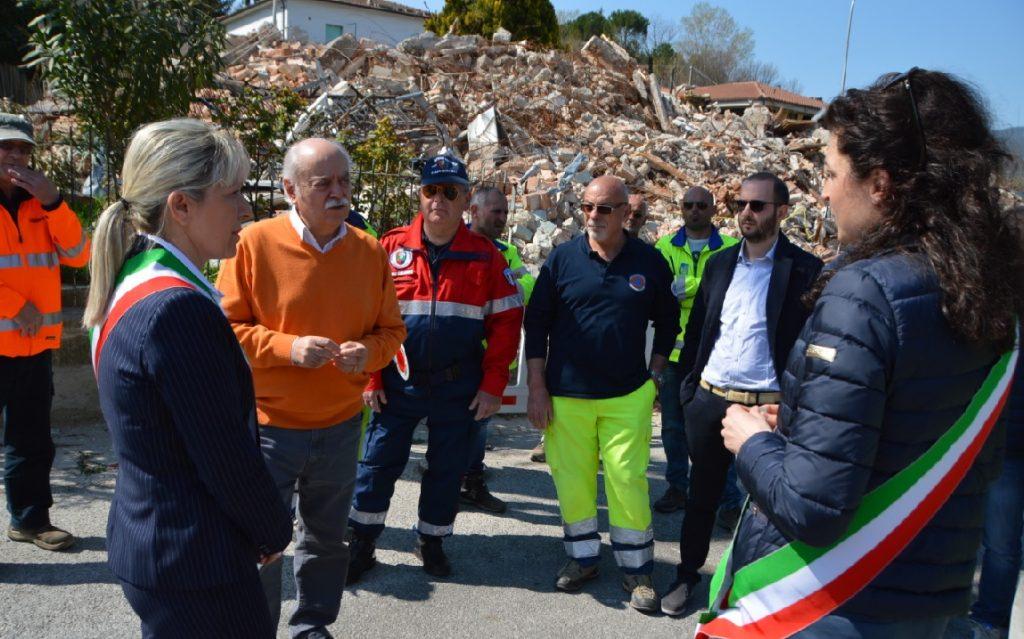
261, 118
714, 44
14, 30
628, 28
533, 20
123, 63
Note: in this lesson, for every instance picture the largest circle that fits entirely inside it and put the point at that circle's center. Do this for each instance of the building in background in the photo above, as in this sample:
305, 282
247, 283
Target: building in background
324, 20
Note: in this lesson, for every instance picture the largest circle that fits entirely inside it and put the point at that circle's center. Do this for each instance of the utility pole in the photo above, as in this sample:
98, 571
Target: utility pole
846, 54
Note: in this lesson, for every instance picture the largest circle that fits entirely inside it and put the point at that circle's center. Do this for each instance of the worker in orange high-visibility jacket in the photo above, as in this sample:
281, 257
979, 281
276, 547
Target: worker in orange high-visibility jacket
38, 233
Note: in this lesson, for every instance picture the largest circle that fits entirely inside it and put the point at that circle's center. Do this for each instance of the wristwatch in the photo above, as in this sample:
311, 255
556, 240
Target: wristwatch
658, 377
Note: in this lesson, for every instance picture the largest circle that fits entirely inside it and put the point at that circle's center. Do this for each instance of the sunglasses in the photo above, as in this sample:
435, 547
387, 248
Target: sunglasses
904, 79
701, 206
451, 192
755, 205
603, 209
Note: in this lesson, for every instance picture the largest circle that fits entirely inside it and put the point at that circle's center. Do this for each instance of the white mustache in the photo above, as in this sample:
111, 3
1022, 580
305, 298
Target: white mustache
336, 203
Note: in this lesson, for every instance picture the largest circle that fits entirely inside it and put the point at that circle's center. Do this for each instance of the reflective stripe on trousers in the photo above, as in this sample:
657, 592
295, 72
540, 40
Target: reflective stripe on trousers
368, 519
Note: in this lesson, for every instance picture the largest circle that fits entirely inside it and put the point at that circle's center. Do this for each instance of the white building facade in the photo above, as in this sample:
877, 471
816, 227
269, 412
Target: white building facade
324, 20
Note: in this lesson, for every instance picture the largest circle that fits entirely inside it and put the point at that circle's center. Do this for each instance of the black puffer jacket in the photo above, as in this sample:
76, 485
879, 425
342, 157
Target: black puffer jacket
898, 380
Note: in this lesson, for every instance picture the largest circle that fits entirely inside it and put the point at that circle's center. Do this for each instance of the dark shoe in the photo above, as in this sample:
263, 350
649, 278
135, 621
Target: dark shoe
728, 518
673, 500
537, 454
48, 537
316, 633
677, 599
642, 595
430, 552
572, 576
474, 492
362, 558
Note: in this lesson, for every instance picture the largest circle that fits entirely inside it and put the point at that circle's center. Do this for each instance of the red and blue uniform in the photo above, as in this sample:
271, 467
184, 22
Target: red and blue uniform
450, 304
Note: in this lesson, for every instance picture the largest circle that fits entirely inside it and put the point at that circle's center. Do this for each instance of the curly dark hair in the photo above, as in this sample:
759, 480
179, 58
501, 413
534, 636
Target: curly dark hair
931, 133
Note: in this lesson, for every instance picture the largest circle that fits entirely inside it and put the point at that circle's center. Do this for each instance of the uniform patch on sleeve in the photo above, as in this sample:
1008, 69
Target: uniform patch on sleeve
826, 353
510, 276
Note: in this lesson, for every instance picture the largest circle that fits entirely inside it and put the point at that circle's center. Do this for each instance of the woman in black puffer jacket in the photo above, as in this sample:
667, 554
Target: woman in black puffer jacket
905, 327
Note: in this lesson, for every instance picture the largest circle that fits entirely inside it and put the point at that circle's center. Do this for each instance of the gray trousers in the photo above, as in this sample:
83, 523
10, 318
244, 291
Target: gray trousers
320, 466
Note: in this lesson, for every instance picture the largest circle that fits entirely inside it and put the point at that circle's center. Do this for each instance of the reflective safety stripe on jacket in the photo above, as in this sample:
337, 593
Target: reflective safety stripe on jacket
31, 252
473, 298
676, 252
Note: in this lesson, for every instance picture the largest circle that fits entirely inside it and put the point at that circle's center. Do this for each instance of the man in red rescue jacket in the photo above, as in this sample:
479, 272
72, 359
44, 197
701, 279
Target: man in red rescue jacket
38, 233
454, 291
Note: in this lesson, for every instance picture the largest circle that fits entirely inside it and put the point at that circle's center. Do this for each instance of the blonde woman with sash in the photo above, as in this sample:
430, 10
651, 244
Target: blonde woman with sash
194, 510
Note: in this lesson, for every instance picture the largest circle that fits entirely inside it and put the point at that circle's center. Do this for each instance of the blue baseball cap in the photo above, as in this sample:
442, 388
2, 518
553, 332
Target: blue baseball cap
443, 169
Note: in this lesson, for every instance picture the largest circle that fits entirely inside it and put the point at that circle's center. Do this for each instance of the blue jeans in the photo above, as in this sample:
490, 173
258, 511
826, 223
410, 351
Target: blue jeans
1001, 561
836, 627
673, 434
320, 465
478, 448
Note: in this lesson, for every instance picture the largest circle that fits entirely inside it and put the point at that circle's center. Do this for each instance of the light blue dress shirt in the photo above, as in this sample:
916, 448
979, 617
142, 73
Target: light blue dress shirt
742, 358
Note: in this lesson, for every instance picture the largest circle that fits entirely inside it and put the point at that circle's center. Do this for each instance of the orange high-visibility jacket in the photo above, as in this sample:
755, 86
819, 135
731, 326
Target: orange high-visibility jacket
30, 255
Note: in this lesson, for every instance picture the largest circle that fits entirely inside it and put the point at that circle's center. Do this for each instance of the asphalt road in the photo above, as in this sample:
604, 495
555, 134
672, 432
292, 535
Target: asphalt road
504, 566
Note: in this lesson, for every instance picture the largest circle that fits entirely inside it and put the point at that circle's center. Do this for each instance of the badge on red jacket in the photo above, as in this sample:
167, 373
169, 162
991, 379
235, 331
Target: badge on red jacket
400, 258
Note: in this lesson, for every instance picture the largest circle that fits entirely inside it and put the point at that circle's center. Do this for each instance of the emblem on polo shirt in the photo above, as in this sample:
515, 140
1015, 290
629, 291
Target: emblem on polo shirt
637, 282
400, 258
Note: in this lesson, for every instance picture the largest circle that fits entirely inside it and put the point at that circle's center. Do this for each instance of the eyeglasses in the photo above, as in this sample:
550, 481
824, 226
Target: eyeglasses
755, 205
701, 206
603, 209
450, 191
904, 79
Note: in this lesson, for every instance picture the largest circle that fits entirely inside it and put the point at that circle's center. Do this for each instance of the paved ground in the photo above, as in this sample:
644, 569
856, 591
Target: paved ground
504, 566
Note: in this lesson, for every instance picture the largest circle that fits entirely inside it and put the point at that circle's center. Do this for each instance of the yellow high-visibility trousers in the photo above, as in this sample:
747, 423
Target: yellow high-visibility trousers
619, 430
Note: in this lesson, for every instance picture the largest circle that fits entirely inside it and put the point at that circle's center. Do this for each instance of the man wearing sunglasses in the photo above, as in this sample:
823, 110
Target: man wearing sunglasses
488, 212
455, 290
687, 252
591, 388
746, 315
636, 215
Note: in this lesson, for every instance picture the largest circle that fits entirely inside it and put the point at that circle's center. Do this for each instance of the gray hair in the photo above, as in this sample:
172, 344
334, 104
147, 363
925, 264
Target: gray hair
482, 193
184, 155
289, 170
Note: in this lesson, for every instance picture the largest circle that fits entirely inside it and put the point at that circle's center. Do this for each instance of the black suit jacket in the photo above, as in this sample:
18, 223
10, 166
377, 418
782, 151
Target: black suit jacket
194, 505
793, 272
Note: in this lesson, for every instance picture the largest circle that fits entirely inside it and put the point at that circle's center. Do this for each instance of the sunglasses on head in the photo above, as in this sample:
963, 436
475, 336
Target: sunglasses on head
755, 205
701, 206
603, 209
904, 79
450, 191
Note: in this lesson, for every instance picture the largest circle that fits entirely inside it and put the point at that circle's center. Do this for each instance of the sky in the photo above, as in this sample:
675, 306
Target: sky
979, 40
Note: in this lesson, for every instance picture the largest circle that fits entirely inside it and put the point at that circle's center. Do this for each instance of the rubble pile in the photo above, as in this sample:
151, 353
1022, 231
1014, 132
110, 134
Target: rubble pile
541, 124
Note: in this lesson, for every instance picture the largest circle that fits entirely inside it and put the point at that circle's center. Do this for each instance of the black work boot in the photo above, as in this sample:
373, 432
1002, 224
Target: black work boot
430, 552
474, 492
362, 558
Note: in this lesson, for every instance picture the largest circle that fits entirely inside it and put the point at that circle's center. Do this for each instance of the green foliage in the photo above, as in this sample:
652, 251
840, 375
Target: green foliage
583, 27
14, 29
379, 188
261, 118
123, 63
532, 20
629, 28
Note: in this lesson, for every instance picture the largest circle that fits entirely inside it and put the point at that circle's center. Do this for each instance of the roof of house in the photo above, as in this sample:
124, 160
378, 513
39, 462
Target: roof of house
377, 5
753, 91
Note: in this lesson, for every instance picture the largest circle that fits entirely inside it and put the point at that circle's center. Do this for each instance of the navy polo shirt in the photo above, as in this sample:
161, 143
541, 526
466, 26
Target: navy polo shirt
589, 318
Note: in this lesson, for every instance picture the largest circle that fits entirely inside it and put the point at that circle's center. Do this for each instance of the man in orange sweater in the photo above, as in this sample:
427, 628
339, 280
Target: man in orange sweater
38, 231
313, 304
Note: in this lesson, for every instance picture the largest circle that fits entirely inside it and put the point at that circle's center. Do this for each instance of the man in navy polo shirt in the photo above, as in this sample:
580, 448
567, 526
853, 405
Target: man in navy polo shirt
591, 388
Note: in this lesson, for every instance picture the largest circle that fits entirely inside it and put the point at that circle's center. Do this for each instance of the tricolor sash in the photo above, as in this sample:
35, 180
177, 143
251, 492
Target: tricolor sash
797, 585
156, 269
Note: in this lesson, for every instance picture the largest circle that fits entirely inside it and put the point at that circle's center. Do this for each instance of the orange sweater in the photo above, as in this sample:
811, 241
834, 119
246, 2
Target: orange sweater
278, 288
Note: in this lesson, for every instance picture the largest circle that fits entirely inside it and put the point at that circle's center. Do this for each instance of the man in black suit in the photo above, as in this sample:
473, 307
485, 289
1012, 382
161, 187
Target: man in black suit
745, 319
